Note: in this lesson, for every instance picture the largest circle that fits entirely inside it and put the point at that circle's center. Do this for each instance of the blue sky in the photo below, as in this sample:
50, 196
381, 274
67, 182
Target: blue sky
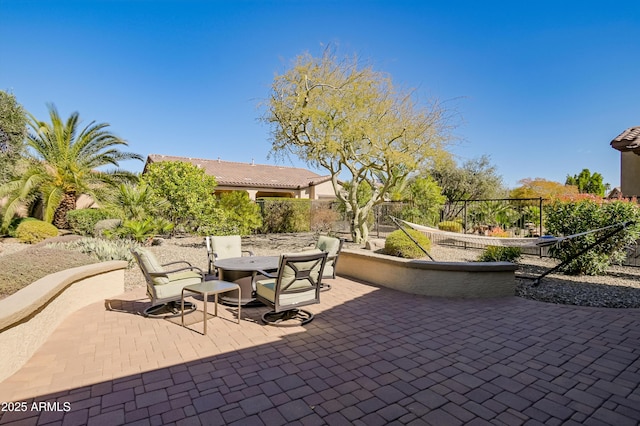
541, 87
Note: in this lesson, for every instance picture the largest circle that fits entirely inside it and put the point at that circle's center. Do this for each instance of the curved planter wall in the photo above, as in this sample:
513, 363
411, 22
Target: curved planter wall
427, 278
29, 316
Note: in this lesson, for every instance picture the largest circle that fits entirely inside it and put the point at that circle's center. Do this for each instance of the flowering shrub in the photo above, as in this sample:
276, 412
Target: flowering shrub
498, 232
572, 217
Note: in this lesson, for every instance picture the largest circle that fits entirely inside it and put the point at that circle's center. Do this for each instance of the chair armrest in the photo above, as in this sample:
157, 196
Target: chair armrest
186, 268
266, 274
177, 262
248, 251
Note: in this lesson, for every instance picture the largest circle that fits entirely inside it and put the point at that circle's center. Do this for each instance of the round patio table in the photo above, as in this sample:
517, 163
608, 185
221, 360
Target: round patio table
244, 271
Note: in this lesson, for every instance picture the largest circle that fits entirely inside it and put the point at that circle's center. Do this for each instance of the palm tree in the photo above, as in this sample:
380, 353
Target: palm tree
63, 162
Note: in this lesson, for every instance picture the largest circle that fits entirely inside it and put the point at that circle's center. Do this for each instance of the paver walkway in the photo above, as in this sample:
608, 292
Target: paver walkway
372, 356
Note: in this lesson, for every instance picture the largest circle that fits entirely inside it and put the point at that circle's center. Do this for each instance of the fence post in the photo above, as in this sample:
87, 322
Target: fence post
540, 232
465, 221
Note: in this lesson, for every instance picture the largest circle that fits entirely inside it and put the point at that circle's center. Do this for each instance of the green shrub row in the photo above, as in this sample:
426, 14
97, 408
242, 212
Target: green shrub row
282, 215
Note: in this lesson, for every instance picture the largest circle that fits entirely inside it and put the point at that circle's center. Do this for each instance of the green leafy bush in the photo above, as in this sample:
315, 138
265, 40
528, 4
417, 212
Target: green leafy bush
572, 217
188, 191
33, 231
83, 221
243, 215
281, 215
500, 254
399, 244
98, 248
450, 225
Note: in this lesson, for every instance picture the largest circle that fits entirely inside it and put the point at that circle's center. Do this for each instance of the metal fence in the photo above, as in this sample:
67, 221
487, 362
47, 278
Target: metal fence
508, 217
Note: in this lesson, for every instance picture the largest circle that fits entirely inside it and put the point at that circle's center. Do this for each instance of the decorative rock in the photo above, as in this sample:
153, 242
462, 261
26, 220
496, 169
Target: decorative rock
375, 244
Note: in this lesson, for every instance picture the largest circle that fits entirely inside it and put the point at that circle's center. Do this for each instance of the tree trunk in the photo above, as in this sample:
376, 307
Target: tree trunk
359, 226
67, 204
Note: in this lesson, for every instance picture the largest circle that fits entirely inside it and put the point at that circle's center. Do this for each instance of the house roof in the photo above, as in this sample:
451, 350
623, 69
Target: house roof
229, 173
629, 140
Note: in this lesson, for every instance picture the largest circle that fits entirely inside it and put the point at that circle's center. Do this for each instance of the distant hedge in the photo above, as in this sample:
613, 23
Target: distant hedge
282, 215
83, 221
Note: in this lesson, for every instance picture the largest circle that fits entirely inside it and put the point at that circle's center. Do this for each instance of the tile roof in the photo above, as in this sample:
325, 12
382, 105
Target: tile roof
231, 173
629, 140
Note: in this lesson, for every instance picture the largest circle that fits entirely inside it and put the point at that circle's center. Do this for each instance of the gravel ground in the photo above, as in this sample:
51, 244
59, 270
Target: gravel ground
619, 288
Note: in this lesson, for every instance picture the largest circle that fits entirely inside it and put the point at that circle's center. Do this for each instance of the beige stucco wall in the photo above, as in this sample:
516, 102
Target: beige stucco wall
427, 278
324, 191
30, 315
630, 174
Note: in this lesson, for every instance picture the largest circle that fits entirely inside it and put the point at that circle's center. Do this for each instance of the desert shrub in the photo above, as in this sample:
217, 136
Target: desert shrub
399, 244
323, 217
243, 215
11, 229
500, 254
497, 231
34, 231
83, 221
99, 248
572, 217
140, 230
450, 225
282, 215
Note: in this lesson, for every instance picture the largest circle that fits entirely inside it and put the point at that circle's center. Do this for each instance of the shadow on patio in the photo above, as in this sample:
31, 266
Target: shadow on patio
371, 356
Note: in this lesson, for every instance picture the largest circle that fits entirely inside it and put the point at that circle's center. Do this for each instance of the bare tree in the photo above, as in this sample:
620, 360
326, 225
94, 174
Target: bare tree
351, 121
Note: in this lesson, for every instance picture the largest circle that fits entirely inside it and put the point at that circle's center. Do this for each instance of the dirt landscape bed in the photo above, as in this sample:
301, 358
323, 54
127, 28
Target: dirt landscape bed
619, 288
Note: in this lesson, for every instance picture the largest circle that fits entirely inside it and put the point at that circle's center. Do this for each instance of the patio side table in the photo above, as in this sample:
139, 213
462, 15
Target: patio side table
206, 288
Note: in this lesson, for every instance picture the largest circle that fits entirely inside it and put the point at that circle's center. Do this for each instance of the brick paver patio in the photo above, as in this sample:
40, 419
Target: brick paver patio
372, 356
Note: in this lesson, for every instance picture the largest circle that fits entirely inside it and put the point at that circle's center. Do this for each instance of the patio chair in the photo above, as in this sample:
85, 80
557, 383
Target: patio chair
164, 286
223, 247
297, 284
332, 246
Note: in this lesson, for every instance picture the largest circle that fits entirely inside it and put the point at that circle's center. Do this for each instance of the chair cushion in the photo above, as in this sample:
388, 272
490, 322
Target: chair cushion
151, 265
288, 273
227, 246
266, 289
173, 290
329, 244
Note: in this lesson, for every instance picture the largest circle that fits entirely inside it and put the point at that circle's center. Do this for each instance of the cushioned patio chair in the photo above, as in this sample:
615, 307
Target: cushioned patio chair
223, 247
332, 246
164, 286
297, 284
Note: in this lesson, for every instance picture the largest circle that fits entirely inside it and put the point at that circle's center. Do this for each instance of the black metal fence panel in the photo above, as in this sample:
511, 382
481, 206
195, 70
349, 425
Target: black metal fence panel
505, 217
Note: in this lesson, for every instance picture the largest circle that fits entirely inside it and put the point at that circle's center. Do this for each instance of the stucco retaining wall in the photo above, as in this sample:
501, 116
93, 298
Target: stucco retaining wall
30, 315
427, 278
